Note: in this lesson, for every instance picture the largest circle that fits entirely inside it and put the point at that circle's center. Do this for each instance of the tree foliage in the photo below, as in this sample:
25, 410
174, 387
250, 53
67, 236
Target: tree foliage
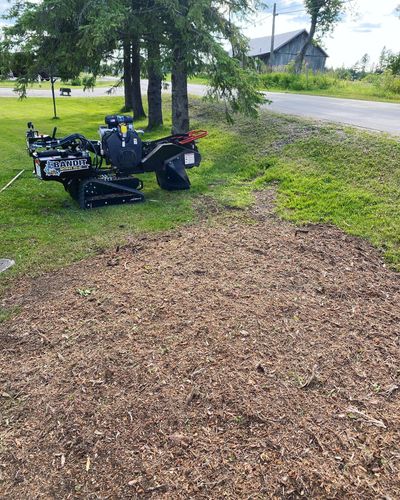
235, 85
141, 38
41, 42
389, 61
325, 14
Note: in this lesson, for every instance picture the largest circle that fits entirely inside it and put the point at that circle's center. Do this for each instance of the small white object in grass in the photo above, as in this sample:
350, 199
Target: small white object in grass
12, 180
6, 264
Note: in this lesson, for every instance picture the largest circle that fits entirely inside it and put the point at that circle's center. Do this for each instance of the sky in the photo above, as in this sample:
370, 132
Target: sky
3, 6
367, 27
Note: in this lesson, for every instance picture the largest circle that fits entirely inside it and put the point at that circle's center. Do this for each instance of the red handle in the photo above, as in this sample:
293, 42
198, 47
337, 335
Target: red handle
193, 135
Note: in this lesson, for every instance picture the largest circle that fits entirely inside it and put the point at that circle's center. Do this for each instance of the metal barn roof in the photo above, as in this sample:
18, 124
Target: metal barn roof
261, 46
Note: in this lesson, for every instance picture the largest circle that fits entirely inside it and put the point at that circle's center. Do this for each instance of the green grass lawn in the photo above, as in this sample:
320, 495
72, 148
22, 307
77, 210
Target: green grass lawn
326, 173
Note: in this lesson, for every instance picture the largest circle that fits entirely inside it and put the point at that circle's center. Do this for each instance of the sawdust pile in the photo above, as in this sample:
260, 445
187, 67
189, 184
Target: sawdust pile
238, 361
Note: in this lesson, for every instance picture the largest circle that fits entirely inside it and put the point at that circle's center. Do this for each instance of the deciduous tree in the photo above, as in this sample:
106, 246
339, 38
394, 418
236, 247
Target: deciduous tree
325, 14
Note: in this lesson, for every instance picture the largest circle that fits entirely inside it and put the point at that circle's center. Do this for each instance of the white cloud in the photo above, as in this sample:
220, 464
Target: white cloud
366, 28
4, 6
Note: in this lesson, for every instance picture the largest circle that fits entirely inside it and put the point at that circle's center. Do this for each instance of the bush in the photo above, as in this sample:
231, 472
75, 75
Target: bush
76, 82
391, 83
302, 81
88, 82
387, 83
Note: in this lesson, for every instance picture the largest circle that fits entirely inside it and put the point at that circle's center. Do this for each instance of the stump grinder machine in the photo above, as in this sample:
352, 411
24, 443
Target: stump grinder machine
97, 173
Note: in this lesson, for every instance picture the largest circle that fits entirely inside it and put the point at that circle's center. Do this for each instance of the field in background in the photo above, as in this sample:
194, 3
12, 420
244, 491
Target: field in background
46, 85
100, 82
326, 173
384, 87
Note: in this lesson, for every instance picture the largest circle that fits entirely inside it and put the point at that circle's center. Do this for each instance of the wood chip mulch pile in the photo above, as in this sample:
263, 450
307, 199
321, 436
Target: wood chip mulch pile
227, 361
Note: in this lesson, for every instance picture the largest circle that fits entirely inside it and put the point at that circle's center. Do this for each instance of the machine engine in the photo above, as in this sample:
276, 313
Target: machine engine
121, 144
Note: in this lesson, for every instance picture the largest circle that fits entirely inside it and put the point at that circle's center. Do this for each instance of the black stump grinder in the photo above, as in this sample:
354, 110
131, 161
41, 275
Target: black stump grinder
78, 163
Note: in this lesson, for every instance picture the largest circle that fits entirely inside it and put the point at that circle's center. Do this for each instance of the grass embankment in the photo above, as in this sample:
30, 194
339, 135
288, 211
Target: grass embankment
326, 173
384, 88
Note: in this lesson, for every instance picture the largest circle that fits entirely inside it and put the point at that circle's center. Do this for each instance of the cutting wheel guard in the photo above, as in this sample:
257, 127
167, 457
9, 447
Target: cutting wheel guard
193, 135
101, 172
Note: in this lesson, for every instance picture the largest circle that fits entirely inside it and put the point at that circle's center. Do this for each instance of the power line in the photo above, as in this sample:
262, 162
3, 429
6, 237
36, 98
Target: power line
290, 12
304, 10
277, 14
264, 18
283, 12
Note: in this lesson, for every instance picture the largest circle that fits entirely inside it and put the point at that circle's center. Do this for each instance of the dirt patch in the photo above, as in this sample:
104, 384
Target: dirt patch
239, 361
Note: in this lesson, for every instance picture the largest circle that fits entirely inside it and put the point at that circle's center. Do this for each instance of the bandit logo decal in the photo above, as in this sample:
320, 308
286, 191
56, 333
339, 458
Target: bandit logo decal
57, 167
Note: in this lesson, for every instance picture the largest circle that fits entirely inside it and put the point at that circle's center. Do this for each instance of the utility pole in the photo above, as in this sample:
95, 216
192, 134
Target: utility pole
271, 56
52, 80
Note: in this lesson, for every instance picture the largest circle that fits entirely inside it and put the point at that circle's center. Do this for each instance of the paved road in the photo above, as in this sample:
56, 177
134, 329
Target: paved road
384, 117
381, 116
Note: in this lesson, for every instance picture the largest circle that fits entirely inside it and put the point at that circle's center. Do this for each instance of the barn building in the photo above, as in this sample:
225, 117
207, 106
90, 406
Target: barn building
286, 48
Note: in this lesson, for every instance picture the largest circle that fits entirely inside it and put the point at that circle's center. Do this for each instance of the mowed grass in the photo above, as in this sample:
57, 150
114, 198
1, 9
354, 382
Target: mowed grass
343, 177
326, 173
41, 227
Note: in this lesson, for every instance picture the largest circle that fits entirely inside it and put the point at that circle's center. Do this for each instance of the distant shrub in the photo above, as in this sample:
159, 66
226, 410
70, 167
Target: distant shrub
88, 82
76, 82
387, 83
344, 73
293, 81
391, 83
373, 78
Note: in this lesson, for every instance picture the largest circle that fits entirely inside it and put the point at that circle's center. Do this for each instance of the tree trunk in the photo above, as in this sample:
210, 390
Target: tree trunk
127, 75
154, 97
137, 104
301, 55
180, 102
